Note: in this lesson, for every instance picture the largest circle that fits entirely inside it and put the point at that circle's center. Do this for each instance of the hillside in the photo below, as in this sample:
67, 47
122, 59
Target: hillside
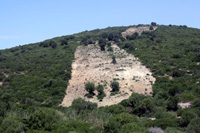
94, 65
163, 61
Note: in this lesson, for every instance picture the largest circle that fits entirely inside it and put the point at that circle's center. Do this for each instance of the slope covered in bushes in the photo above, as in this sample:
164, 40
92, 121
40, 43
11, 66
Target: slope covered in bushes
34, 78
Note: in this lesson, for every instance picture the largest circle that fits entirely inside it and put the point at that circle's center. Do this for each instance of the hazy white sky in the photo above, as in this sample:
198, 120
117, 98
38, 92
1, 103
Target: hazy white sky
29, 21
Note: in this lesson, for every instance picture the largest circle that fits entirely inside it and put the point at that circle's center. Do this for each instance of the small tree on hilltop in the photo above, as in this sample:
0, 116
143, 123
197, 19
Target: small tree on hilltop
153, 23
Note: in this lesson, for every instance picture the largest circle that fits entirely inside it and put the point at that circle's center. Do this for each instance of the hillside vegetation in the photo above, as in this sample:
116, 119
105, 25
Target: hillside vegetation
34, 78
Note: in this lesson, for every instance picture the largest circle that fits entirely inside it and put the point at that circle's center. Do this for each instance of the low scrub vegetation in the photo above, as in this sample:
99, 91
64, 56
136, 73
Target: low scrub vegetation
34, 78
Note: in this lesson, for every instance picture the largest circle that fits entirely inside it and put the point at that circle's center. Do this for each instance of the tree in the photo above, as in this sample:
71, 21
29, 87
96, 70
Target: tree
114, 60
133, 101
101, 93
102, 44
64, 42
110, 37
145, 107
53, 44
172, 103
151, 28
44, 44
90, 87
153, 23
178, 73
115, 86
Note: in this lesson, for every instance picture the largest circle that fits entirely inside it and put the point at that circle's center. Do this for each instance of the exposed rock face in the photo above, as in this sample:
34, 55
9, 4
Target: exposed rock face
93, 65
184, 105
139, 30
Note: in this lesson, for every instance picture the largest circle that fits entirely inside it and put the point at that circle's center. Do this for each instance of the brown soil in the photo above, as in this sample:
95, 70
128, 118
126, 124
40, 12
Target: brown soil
139, 30
93, 65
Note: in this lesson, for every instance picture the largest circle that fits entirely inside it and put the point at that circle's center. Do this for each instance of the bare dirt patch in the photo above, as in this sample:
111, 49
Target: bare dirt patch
1, 83
184, 105
139, 30
93, 65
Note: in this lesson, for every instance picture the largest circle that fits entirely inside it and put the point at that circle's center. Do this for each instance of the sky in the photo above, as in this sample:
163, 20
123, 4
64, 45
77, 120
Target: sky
29, 21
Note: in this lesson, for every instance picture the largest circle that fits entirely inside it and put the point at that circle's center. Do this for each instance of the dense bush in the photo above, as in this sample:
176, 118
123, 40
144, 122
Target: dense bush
90, 87
45, 119
123, 122
114, 60
115, 109
101, 93
133, 36
193, 127
76, 126
163, 123
115, 86
80, 105
186, 117
11, 125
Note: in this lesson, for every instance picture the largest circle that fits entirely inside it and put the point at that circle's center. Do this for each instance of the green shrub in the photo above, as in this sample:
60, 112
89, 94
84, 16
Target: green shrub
90, 87
117, 122
144, 107
196, 103
75, 126
173, 130
114, 60
81, 105
132, 128
194, 127
115, 109
151, 28
160, 113
11, 125
186, 97
110, 49
172, 103
163, 123
45, 119
186, 117
115, 86
101, 93
133, 36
